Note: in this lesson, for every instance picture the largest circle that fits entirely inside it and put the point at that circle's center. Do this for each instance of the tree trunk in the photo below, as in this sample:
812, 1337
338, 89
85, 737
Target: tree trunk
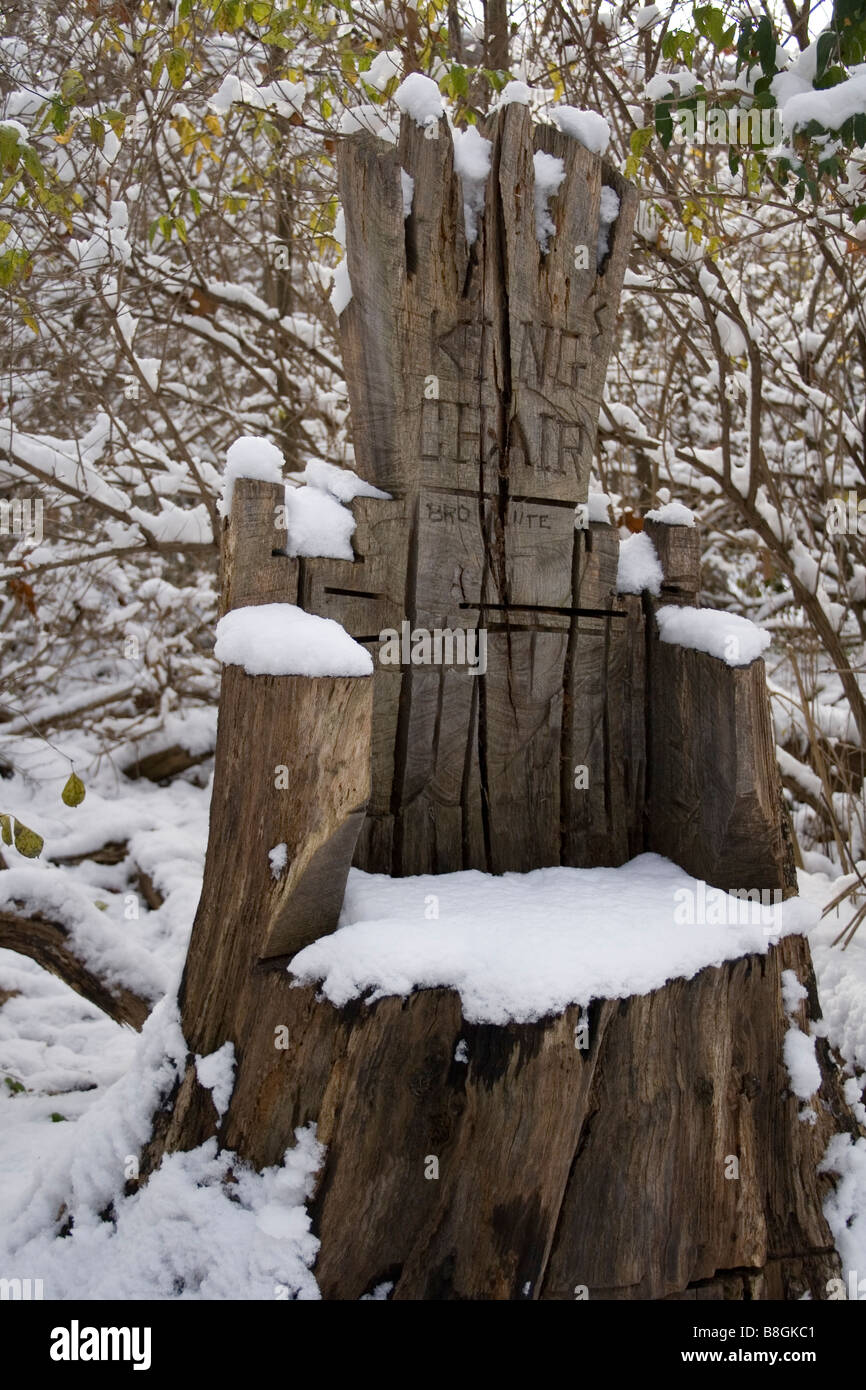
496, 35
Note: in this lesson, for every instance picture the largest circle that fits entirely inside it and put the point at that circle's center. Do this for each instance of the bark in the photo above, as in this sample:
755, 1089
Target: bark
560, 1169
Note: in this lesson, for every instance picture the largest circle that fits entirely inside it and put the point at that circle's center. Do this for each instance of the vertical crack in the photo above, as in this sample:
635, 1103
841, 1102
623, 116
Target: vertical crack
404, 713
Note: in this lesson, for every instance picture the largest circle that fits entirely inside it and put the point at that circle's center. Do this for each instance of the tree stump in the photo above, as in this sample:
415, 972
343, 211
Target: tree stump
646, 1147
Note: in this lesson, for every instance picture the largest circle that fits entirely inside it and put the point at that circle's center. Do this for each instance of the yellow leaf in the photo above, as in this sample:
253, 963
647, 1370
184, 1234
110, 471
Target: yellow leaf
67, 134
27, 842
213, 124
73, 793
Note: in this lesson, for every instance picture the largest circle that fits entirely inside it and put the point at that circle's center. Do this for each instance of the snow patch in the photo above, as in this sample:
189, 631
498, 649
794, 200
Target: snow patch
317, 524
608, 213
793, 992
278, 857
587, 127
249, 457
341, 483
734, 640
385, 66
407, 192
549, 174
515, 93
341, 288
279, 639
419, 97
216, 1073
639, 566
598, 507
472, 165
799, 1053
525, 946
845, 1207
672, 514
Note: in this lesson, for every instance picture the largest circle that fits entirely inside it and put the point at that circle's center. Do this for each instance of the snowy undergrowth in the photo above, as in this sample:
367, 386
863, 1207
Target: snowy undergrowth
204, 1226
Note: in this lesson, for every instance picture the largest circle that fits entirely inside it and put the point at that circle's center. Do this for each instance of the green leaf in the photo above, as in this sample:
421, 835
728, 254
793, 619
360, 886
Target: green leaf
33, 164
73, 87
10, 152
59, 115
710, 23
195, 199
176, 64
27, 842
827, 46
97, 131
14, 266
859, 213
6, 829
73, 793
664, 124
16, 1087
117, 121
639, 139
765, 46
459, 80
56, 1117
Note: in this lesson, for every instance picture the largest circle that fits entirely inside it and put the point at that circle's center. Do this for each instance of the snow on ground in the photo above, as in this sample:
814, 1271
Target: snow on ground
80, 1089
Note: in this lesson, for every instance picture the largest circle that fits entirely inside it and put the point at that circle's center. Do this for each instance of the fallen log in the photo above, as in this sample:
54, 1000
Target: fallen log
48, 943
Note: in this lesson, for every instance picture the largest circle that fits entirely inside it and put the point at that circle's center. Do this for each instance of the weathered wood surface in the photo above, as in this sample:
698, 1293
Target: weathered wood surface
475, 376
714, 793
679, 552
291, 768
560, 1169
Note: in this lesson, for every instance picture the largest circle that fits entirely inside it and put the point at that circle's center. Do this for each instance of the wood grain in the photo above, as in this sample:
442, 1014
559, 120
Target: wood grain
475, 376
